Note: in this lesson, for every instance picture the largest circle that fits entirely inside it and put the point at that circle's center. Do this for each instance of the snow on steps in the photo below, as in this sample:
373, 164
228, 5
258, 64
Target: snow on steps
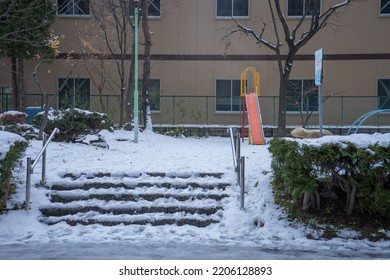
137, 198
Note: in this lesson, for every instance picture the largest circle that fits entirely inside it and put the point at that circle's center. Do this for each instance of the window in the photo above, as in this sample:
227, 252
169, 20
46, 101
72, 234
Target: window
5, 98
385, 7
154, 94
299, 8
384, 94
228, 95
302, 95
232, 8
75, 94
154, 8
73, 7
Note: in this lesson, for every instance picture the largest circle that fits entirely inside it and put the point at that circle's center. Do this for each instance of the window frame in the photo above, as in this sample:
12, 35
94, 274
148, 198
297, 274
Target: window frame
154, 17
73, 14
6, 98
385, 5
231, 97
157, 97
232, 11
304, 106
303, 11
75, 105
387, 100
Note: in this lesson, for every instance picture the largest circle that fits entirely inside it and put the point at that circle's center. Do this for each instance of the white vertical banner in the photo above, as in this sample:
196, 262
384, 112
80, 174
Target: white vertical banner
318, 66
318, 81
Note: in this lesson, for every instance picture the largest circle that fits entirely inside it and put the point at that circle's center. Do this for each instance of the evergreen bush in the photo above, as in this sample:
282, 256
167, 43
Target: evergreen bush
74, 123
6, 166
305, 176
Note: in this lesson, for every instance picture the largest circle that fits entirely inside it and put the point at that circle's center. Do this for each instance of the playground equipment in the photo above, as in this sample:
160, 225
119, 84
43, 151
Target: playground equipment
251, 102
356, 125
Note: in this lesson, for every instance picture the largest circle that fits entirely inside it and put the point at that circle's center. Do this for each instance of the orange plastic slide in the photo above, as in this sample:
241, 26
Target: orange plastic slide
254, 117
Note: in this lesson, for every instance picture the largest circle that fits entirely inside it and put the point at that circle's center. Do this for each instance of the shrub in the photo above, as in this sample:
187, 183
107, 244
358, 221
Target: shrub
338, 173
74, 123
6, 166
12, 118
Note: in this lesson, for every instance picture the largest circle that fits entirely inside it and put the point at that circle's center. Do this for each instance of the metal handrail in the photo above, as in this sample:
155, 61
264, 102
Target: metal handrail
238, 163
31, 164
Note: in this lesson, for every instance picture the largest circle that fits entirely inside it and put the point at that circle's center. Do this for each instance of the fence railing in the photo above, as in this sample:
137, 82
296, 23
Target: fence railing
31, 164
209, 110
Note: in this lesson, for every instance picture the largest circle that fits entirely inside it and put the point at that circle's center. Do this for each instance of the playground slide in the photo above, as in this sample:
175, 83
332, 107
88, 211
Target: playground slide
254, 117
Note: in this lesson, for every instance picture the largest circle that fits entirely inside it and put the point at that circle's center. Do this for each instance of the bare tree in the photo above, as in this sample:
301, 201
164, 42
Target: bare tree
147, 57
114, 22
289, 39
46, 102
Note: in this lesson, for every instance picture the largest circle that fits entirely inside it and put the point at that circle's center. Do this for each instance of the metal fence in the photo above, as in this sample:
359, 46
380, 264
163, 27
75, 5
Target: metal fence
215, 110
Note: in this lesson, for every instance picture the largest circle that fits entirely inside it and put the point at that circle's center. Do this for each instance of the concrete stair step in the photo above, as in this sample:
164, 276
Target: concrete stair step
130, 186
57, 211
67, 198
137, 198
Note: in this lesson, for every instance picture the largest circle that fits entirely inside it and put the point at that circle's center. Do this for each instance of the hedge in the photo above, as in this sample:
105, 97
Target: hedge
74, 123
357, 178
6, 166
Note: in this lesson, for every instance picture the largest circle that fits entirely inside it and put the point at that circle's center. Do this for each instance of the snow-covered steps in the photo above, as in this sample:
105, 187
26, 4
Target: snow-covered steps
138, 198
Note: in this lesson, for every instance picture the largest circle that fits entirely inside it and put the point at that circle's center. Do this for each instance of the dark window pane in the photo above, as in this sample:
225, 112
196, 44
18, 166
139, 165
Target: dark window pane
384, 93
81, 7
295, 7
65, 7
73, 7
75, 94
224, 8
154, 94
385, 7
154, 8
240, 8
294, 89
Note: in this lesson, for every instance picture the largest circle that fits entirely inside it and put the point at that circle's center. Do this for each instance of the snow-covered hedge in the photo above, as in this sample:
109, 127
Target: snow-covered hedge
11, 148
12, 117
74, 123
351, 173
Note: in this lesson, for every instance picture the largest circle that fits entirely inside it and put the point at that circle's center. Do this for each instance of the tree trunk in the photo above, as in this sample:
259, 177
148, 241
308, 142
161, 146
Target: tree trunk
15, 90
130, 92
146, 68
282, 104
21, 88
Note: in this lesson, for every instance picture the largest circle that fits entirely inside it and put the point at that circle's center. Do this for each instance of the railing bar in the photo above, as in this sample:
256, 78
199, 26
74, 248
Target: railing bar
28, 183
233, 145
35, 162
242, 183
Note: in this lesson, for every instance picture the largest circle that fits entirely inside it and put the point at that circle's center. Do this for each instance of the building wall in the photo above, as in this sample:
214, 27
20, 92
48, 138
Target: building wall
190, 53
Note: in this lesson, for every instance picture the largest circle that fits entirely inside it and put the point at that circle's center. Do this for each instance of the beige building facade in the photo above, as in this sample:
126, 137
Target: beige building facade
196, 66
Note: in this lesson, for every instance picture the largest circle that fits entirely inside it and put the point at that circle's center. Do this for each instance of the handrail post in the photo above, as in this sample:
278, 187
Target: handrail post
242, 183
43, 179
32, 163
238, 146
28, 183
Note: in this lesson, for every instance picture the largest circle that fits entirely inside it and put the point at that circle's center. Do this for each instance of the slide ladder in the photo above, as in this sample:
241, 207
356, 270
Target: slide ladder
254, 118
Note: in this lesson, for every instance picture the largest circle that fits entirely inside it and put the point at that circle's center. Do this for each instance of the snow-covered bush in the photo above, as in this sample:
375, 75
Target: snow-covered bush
9, 156
74, 123
339, 173
12, 117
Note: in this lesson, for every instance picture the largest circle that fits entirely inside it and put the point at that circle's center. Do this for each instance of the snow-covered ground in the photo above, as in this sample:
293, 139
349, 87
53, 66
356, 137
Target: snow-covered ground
261, 231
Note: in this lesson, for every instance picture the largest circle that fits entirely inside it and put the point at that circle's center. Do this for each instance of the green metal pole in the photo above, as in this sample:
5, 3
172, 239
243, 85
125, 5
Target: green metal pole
136, 11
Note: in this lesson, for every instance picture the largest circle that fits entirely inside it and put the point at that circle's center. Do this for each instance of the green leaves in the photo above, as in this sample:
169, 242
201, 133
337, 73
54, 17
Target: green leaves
25, 28
331, 168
